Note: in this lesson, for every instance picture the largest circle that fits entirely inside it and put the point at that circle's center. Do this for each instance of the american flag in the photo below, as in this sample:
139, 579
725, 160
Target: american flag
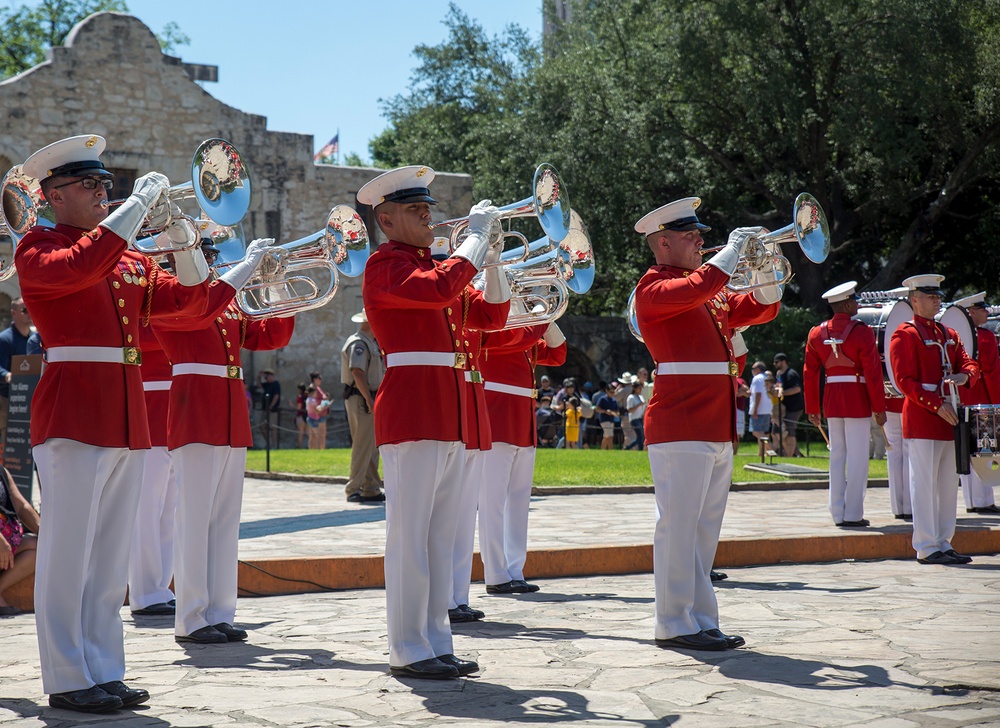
329, 150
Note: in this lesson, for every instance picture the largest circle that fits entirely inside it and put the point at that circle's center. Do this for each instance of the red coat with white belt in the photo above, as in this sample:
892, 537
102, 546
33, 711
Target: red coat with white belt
855, 358
86, 289
155, 372
509, 359
686, 316
415, 304
987, 389
212, 410
915, 364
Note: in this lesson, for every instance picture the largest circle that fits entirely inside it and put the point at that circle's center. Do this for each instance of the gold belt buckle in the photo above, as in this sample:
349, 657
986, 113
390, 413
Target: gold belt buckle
232, 372
460, 360
733, 369
132, 355
534, 394
476, 377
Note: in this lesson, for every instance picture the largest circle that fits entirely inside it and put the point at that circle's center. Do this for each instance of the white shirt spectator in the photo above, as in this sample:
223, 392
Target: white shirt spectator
638, 412
759, 386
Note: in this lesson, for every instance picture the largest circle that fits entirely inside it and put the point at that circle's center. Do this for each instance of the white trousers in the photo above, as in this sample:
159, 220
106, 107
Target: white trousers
465, 532
691, 481
206, 534
848, 467
976, 493
423, 482
934, 495
898, 464
151, 563
503, 511
89, 498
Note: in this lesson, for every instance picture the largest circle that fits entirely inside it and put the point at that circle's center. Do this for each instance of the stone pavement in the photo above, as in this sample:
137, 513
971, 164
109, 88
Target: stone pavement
884, 644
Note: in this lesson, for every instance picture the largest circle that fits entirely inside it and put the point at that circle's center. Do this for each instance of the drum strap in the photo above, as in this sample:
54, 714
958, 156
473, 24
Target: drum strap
837, 357
929, 340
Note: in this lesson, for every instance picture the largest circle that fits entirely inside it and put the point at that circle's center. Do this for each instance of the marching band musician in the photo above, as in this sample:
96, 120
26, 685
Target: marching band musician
978, 496
928, 360
685, 314
846, 350
208, 433
509, 364
419, 309
88, 295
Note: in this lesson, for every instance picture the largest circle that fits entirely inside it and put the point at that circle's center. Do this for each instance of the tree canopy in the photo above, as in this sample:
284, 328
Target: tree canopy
26, 33
885, 110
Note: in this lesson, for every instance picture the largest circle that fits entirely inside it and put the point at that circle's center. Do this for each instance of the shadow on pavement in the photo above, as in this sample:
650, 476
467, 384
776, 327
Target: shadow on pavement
247, 656
44, 715
296, 524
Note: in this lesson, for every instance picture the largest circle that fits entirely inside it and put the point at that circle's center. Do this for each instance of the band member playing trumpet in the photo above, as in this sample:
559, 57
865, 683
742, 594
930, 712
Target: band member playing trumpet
208, 447
930, 364
685, 314
979, 496
419, 309
88, 295
846, 350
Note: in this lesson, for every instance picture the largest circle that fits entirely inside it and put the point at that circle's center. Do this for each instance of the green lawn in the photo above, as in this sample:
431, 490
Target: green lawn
552, 467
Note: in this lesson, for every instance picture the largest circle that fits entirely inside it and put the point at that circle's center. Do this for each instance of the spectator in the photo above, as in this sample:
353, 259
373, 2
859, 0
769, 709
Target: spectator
742, 400
793, 403
319, 430
607, 412
13, 341
635, 406
572, 422
647, 384
300, 416
316, 410
547, 421
545, 388
568, 390
17, 548
592, 429
760, 406
772, 393
621, 395
270, 402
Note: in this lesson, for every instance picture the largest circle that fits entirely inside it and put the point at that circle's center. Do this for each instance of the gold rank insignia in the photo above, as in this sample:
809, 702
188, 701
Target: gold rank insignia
421, 172
91, 142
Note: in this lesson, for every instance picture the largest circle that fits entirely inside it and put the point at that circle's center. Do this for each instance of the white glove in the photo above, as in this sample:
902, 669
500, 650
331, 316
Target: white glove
239, 274
181, 232
553, 336
190, 267
126, 221
497, 288
482, 217
161, 212
772, 290
728, 258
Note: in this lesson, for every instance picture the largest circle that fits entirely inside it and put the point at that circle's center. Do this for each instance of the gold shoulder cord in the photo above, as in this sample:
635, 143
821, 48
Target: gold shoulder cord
243, 330
465, 308
153, 271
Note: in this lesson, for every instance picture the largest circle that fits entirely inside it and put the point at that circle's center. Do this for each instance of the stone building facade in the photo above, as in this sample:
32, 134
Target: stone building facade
111, 78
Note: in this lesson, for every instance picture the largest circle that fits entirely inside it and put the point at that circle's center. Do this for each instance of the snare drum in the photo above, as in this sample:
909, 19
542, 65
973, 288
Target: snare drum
984, 425
883, 318
958, 318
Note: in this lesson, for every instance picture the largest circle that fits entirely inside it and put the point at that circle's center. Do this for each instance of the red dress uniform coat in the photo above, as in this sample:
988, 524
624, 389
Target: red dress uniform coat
856, 357
894, 404
915, 363
510, 358
415, 304
208, 409
86, 289
155, 368
987, 389
686, 316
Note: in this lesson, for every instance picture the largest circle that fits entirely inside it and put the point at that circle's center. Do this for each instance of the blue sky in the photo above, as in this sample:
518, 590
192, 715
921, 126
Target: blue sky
313, 67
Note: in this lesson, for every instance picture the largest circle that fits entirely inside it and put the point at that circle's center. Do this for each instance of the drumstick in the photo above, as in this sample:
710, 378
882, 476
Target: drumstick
820, 428
886, 438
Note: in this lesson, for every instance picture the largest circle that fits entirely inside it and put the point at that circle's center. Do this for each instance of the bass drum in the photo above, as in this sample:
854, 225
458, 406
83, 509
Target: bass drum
883, 319
957, 318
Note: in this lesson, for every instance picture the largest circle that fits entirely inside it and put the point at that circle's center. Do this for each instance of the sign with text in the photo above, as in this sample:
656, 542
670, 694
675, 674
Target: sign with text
25, 371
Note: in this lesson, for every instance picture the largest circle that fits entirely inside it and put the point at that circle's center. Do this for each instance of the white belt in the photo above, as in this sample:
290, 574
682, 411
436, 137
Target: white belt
474, 377
929, 387
846, 379
161, 386
209, 370
94, 354
511, 389
455, 360
727, 368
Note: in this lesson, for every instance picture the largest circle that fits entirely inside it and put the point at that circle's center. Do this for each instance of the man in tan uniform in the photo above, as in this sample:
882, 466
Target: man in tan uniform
361, 372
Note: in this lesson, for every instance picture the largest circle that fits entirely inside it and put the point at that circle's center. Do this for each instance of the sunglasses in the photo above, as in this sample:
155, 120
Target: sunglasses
89, 183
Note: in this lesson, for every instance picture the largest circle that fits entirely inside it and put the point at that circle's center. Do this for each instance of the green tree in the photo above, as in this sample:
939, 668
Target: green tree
885, 110
27, 32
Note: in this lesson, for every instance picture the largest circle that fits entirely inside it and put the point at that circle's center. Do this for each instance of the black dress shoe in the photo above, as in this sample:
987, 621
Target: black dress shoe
162, 609
699, 641
128, 696
854, 524
90, 700
464, 667
432, 669
732, 640
525, 587
233, 634
203, 636
959, 558
938, 557
354, 498
718, 575
508, 587
459, 615
992, 510
377, 498
477, 613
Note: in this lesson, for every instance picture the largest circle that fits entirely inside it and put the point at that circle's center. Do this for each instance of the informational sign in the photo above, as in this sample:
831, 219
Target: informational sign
25, 371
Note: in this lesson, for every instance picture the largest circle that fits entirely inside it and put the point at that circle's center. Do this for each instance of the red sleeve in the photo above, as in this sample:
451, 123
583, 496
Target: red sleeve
268, 334
811, 366
485, 316
904, 359
667, 297
745, 310
86, 261
219, 296
554, 356
394, 281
